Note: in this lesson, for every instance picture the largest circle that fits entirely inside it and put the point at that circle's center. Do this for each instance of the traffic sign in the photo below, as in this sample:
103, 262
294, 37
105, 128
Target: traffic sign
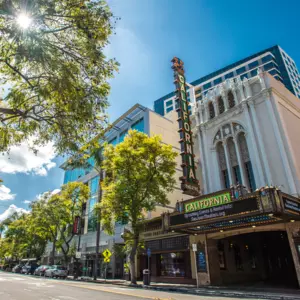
78, 254
106, 253
107, 260
149, 252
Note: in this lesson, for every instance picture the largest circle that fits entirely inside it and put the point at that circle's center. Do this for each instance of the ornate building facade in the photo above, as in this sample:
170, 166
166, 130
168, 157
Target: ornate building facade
242, 129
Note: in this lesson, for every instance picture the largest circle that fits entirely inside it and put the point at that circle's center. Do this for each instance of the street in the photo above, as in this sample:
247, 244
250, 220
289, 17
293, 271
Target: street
23, 287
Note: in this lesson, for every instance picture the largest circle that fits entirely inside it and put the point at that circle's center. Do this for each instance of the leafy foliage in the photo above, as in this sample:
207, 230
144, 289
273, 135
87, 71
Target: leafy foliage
139, 174
56, 70
51, 219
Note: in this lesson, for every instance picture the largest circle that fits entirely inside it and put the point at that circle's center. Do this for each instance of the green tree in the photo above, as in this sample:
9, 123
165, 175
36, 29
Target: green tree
23, 238
56, 71
46, 220
139, 175
65, 207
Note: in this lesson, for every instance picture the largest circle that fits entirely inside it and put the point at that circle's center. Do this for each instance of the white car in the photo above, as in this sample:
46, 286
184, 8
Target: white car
56, 271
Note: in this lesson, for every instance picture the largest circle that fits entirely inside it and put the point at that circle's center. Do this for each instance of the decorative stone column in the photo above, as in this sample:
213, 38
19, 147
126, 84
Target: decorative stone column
235, 96
201, 112
206, 146
202, 159
260, 143
261, 78
206, 112
228, 164
215, 104
247, 88
283, 154
216, 173
241, 90
241, 164
253, 150
225, 100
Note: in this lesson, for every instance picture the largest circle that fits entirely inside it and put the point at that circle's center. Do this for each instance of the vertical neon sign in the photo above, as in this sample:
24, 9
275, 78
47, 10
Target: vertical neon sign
189, 182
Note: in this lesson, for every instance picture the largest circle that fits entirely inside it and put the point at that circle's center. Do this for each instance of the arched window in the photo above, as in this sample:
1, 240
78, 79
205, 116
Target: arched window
231, 102
222, 165
211, 110
221, 105
246, 160
234, 162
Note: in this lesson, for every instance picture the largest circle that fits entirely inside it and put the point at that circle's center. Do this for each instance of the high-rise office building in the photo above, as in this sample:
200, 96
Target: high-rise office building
274, 60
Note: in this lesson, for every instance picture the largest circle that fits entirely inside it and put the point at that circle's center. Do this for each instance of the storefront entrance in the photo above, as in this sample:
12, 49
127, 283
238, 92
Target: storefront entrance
258, 258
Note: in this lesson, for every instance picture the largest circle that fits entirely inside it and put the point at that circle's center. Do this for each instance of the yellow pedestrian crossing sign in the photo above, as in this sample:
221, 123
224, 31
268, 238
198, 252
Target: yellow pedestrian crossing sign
107, 254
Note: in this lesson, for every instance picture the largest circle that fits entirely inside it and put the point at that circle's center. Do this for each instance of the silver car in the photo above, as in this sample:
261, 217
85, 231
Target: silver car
56, 271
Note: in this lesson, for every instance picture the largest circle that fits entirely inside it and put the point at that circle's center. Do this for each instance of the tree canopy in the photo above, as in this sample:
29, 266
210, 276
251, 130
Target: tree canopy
139, 175
50, 220
56, 71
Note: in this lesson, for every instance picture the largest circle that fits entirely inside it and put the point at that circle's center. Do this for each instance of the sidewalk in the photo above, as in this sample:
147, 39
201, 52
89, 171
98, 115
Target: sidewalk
213, 291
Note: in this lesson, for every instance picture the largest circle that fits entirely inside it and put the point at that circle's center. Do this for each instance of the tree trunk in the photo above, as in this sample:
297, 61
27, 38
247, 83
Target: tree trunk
132, 258
52, 254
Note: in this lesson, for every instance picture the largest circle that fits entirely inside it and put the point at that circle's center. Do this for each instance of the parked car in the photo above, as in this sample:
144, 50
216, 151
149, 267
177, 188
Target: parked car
40, 271
29, 269
56, 271
17, 269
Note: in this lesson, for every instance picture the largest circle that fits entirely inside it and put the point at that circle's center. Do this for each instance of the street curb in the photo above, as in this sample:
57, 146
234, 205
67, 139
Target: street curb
208, 291
233, 294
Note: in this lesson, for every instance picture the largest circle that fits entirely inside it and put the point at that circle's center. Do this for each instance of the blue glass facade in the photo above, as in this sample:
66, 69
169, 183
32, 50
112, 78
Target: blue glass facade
73, 175
139, 125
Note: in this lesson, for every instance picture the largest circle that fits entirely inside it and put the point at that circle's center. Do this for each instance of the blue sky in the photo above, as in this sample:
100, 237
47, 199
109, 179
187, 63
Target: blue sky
206, 35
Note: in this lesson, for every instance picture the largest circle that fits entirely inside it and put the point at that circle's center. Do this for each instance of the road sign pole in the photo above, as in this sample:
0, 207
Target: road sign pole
197, 280
194, 246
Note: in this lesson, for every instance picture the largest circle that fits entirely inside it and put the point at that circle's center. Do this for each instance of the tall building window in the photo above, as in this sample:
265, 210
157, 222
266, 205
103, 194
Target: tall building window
241, 70
221, 105
252, 65
234, 161
223, 166
211, 110
169, 109
229, 75
231, 102
246, 161
138, 125
122, 135
94, 183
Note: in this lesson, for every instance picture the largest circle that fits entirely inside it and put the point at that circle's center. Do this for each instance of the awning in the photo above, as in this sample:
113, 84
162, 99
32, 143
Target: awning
221, 211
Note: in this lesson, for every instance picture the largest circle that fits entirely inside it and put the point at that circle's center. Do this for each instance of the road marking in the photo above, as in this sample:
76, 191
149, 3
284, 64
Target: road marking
115, 292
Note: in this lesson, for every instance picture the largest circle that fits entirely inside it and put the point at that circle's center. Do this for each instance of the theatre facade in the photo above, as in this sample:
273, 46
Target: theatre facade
240, 238
244, 219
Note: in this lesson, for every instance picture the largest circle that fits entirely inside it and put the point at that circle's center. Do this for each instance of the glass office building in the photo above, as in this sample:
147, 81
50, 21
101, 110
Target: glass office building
273, 60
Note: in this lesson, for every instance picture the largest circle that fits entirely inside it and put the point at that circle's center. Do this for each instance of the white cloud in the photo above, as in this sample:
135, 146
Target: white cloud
11, 210
48, 193
5, 193
56, 191
26, 201
21, 159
